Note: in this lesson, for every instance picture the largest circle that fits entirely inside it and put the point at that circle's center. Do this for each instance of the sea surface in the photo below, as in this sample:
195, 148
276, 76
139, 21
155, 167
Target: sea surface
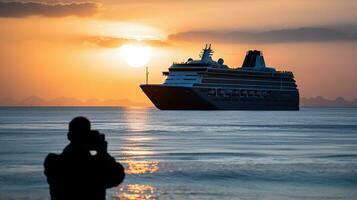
248, 155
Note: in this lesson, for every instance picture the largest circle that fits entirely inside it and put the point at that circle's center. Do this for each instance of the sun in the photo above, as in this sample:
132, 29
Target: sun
135, 55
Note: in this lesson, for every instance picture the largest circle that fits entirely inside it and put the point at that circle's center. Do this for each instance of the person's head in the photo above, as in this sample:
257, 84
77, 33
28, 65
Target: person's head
78, 129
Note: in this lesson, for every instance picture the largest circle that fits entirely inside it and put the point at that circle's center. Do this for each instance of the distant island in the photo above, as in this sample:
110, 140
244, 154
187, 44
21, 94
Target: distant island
68, 101
318, 101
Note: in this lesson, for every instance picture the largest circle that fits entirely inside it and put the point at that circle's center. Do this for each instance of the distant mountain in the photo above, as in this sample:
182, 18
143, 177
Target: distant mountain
67, 101
8, 101
32, 101
320, 101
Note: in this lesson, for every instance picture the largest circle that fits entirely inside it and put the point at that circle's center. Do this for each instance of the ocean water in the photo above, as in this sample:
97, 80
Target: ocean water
308, 154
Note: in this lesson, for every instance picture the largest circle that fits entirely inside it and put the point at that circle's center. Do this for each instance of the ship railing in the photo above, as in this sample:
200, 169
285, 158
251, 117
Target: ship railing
285, 72
179, 63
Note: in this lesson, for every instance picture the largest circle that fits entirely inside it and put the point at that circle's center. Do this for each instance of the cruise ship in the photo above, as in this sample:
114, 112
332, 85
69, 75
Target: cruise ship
206, 84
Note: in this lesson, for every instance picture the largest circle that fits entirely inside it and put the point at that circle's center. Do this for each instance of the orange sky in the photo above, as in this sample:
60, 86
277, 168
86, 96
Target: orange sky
66, 49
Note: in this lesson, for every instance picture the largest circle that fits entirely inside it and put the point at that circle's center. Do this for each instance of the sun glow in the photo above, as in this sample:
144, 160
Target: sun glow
136, 55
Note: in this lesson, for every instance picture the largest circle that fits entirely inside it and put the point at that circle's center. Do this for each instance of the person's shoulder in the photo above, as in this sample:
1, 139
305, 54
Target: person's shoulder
52, 159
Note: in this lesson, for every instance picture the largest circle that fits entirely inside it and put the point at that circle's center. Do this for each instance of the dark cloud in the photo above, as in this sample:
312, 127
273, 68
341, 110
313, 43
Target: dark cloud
113, 42
24, 9
274, 36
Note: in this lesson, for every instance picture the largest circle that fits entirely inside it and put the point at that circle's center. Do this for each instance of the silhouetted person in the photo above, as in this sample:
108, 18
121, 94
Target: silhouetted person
76, 173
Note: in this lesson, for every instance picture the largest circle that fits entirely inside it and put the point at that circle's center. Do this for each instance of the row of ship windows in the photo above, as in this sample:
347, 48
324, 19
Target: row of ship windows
186, 79
278, 85
230, 80
264, 79
249, 75
246, 81
262, 86
238, 93
248, 78
208, 77
183, 74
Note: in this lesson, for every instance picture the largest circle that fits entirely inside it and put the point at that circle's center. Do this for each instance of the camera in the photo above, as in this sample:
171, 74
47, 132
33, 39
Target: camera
95, 140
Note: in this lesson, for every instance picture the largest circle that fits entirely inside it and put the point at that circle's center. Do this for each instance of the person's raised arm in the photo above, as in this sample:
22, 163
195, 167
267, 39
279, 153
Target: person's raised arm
112, 172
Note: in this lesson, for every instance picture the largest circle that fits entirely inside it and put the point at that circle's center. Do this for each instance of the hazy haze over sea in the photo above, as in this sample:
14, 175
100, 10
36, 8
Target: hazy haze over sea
308, 154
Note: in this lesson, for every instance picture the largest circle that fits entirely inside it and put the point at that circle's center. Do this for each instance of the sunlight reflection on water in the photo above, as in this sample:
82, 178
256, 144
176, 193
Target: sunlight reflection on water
132, 149
136, 191
141, 167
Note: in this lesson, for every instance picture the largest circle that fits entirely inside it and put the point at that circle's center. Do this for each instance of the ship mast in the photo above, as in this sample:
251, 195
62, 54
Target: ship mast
147, 74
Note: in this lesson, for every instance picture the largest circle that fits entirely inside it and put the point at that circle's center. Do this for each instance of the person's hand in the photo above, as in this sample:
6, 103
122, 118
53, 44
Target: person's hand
102, 144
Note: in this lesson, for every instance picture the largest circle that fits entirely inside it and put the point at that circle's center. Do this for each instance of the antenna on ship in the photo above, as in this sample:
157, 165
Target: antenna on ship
206, 54
147, 74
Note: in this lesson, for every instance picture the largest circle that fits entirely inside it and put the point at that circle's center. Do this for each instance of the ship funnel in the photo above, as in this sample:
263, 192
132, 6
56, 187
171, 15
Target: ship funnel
206, 54
254, 59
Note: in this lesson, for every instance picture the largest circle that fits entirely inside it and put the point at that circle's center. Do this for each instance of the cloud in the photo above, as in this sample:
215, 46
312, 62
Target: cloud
308, 34
113, 42
25, 9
